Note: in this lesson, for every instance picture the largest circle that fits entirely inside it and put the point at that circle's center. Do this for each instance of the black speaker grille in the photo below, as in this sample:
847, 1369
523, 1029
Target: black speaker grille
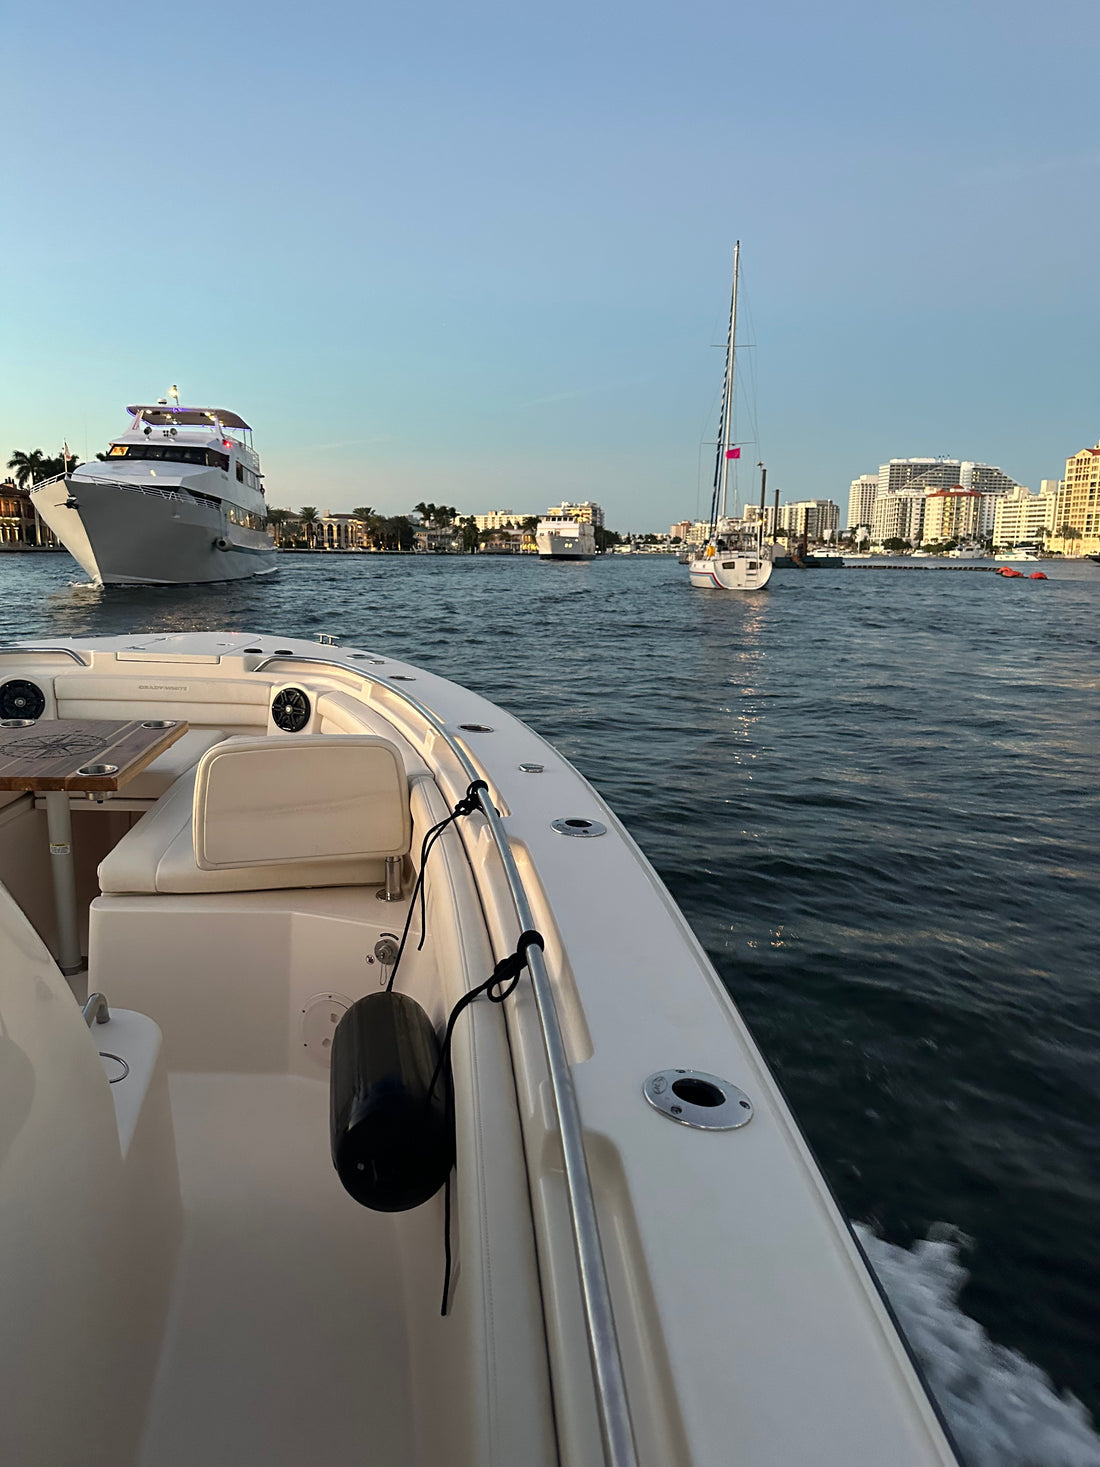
21, 699
290, 710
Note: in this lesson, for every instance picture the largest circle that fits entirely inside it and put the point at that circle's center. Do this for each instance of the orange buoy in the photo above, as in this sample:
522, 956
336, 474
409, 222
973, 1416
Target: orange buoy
1038, 576
1006, 570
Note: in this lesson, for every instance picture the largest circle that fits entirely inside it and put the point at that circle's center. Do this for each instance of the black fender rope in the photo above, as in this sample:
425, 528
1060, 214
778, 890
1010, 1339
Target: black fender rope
500, 984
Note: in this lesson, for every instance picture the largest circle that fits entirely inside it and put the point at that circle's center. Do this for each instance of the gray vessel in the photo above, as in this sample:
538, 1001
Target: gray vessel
178, 499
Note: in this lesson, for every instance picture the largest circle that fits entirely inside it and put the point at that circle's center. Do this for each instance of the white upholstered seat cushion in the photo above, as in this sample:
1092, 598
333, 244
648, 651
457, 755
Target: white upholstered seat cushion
159, 776
271, 813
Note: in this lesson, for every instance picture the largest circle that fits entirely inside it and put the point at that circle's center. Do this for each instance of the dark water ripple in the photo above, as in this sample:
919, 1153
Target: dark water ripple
872, 795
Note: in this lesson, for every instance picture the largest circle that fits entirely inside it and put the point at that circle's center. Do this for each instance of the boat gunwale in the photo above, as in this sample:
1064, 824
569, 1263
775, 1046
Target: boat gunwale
608, 1377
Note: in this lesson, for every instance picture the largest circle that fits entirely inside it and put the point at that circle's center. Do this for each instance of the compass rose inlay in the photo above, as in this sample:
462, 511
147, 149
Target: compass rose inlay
52, 746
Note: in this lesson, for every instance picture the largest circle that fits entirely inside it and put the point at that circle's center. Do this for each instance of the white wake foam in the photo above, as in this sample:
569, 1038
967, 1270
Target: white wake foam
1003, 1410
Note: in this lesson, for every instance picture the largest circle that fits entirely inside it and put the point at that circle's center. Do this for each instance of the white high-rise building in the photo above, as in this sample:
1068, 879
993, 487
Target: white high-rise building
817, 519
861, 500
918, 473
992, 484
927, 474
898, 516
1021, 517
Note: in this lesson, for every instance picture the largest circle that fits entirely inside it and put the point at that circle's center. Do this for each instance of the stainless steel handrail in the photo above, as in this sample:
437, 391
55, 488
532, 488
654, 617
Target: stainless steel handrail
45, 483
22, 648
612, 1406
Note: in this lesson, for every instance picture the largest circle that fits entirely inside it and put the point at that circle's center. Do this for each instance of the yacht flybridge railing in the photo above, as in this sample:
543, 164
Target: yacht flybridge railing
603, 1345
131, 485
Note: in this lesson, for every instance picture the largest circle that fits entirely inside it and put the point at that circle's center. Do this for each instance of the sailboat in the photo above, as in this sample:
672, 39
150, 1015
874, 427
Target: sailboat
718, 565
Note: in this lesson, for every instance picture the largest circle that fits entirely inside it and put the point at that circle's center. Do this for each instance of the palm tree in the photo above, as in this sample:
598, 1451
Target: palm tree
276, 518
51, 467
308, 518
364, 513
29, 467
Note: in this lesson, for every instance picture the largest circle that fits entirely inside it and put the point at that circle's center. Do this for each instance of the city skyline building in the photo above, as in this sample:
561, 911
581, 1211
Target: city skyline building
817, 519
1077, 511
861, 500
919, 473
500, 519
588, 511
898, 516
1023, 517
927, 475
951, 514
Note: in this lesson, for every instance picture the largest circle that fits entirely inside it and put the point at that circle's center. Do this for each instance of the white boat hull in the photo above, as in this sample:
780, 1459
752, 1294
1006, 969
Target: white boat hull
178, 1246
124, 535
730, 571
567, 541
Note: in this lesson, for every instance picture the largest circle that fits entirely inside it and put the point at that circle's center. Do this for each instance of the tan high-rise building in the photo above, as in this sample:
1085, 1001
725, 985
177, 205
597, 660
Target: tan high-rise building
589, 511
1078, 510
951, 514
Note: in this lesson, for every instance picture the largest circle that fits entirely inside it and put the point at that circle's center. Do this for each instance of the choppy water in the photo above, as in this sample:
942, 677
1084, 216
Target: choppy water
872, 794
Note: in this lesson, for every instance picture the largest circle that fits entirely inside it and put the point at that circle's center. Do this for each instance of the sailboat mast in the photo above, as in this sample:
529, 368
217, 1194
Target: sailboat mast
727, 393
763, 501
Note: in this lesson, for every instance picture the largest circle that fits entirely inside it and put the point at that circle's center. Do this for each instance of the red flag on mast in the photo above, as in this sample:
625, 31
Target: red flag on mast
733, 453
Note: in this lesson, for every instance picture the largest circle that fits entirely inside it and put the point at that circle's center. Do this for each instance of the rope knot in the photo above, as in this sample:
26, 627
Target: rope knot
470, 802
507, 971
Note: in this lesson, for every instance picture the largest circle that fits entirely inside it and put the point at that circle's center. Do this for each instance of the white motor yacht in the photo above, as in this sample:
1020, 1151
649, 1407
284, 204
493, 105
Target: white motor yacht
405, 1121
563, 537
177, 499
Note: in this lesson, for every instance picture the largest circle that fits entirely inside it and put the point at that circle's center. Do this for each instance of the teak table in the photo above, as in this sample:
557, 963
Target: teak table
59, 756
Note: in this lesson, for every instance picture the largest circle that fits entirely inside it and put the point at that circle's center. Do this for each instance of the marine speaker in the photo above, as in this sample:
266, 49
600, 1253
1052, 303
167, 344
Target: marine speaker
21, 699
290, 710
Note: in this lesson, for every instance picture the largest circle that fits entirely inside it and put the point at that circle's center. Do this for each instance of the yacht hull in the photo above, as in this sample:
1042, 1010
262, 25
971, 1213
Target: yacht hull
730, 572
572, 541
124, 536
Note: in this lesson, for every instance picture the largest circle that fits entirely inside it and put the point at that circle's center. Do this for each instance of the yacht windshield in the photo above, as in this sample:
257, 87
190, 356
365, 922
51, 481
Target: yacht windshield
172, 452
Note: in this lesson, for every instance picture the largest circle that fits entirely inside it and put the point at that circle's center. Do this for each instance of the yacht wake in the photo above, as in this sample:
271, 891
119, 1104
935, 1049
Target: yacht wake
1003, 1410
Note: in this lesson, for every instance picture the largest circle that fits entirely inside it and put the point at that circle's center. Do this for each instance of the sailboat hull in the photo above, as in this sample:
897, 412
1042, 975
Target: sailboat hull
730, 572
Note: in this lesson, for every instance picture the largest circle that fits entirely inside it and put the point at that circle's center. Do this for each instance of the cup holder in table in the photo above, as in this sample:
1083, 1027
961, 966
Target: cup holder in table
17, 722
159, 722
98, 769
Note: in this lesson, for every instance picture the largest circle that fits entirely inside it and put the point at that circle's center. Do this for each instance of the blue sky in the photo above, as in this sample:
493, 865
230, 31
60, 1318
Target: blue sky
481, 255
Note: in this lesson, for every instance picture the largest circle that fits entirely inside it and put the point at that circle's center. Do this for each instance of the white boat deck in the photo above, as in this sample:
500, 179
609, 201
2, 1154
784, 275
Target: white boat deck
286, 1338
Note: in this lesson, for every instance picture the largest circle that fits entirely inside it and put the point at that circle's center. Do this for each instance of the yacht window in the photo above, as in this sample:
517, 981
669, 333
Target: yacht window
171, 453
240, 473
